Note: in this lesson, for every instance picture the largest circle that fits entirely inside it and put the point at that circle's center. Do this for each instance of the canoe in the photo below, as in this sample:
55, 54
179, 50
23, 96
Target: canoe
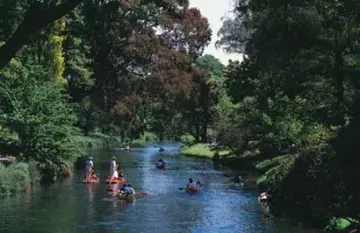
160, 167
120, 180
126, 198
91, 180
192, 191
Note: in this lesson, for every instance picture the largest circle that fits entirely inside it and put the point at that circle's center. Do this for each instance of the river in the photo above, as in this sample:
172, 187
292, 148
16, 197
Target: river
73, 207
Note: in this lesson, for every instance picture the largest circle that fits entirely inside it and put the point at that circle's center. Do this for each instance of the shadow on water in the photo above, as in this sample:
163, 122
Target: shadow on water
72, 206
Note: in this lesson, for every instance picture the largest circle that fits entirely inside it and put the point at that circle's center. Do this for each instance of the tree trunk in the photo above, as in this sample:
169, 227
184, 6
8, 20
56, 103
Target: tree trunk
197, 132
339, 88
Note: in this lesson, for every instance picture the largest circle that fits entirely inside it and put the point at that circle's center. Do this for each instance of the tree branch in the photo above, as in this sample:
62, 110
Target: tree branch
36, 18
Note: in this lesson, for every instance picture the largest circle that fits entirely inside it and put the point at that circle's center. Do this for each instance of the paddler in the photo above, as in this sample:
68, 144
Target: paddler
114, 175
128, 190
113, 165
192, 185
160, 163
89, 167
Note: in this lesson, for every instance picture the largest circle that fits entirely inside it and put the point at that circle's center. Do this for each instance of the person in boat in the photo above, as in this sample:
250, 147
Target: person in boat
114, 175
161, 149
113, 165
121, 173
89, 167
191, 185
263, 197
127, 190
160, 163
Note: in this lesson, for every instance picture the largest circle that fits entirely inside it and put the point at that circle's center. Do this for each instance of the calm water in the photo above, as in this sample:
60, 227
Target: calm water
72, 206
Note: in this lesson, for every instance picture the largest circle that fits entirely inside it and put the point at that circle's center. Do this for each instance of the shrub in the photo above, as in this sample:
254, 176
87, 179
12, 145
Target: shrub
187, 140
14, 178
44, 123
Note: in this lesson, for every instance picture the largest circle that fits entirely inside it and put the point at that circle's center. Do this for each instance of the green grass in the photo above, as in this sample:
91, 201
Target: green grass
340, 224
203, 150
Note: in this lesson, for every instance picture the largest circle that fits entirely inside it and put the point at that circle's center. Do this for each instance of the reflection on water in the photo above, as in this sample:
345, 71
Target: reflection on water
72, 206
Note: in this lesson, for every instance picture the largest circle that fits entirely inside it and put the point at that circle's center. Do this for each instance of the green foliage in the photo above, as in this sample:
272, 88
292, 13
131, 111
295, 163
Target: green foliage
42, 120
211, 64
296, 84
145, 138
187, 140
337, 225
14, 179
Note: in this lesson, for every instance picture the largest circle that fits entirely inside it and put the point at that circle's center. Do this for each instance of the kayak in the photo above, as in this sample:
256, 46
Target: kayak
192, 191
126, 198
160, 167
91, 180
119, 180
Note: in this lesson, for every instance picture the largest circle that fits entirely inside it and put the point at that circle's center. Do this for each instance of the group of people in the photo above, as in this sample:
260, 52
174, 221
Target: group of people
115, 172
126, 188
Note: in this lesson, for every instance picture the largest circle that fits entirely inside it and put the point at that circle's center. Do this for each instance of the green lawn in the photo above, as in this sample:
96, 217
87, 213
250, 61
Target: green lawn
202, 150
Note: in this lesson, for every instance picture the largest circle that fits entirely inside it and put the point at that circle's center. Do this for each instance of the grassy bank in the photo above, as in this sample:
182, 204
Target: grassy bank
246, 161
203, 150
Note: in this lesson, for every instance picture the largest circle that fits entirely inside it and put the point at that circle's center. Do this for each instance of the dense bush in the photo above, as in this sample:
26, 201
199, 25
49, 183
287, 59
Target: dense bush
40, 122
14, 178
187, 140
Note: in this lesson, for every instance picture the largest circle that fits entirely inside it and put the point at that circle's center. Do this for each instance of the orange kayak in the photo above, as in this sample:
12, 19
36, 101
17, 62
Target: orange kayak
120, 180
91, 180
192, 191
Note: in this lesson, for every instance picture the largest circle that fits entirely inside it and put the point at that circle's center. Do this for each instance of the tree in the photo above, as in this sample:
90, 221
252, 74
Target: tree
40, 120
41, 13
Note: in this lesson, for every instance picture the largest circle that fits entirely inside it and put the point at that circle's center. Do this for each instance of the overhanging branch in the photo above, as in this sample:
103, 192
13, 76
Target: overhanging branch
37, 17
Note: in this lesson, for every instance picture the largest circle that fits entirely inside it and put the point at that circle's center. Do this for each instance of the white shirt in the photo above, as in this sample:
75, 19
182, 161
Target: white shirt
192, 185
116, 174
89, 164
112, 164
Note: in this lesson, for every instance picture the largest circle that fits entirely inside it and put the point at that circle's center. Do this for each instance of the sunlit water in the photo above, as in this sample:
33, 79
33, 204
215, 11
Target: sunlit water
72, 206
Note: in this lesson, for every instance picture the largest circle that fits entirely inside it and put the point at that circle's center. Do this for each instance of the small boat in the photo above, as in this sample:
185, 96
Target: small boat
161, 149
91, 180
160, 167
126, 198
192, 191
119, 180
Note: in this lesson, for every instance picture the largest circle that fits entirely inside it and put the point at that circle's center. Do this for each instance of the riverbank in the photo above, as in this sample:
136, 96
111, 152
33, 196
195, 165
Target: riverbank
17, 178
222, 156
240, 165
263, 168
100, 140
